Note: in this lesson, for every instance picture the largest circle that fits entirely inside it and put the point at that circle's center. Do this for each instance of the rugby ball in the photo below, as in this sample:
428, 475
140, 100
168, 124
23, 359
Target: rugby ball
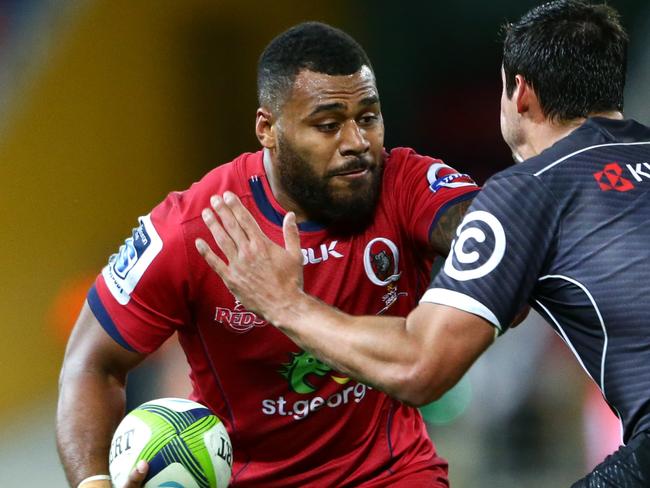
185, 444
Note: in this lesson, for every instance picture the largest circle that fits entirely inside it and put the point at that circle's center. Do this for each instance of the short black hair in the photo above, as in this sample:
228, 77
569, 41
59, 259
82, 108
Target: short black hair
572, 53
313, 46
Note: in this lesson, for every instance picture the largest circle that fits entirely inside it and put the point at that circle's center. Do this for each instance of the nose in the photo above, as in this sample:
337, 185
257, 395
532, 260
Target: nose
353, 139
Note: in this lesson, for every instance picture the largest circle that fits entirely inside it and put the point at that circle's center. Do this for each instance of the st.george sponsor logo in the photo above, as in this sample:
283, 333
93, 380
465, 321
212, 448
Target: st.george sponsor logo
302, 408
305, 374
238, 319
611, 176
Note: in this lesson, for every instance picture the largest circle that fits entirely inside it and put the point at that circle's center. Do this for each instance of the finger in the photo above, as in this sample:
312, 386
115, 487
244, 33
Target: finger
229, 222
214, 261
243, 216
221, 237
291, 235
138, 475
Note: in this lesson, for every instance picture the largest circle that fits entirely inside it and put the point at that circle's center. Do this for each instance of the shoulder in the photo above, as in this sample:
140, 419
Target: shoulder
517, 190
572, 164
403, 163
400, 158
595, 138
186, 205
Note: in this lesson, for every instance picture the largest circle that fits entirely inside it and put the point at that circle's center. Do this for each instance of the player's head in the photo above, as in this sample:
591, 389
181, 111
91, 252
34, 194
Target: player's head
572, 54
320, 120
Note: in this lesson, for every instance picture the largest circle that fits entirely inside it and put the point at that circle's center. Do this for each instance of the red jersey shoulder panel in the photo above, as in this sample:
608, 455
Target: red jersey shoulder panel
420, 188
147, 287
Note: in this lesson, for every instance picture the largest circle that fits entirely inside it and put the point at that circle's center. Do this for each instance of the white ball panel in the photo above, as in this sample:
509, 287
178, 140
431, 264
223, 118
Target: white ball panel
128, 441
219, 447
177, 404
176, 472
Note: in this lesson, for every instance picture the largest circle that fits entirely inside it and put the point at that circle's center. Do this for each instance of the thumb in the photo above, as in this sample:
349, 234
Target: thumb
291, 235
137, 476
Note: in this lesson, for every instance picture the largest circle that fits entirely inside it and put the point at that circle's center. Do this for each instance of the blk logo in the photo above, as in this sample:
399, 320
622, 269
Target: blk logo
610, 179
309, 255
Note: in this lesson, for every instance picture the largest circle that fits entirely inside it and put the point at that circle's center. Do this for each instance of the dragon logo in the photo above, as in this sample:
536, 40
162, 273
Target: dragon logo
300, 367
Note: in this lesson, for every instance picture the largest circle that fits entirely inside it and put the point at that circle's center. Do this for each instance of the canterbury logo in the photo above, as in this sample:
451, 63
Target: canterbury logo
610, 179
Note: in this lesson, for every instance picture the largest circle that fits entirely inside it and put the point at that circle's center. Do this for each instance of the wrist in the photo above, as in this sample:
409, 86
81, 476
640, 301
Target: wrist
290, 311
97, 484
96, 481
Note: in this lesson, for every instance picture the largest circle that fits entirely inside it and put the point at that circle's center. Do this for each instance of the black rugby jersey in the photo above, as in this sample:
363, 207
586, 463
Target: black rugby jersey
568, 231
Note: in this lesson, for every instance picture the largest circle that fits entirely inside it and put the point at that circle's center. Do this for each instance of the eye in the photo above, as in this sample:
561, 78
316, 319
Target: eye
328, 127
368, 119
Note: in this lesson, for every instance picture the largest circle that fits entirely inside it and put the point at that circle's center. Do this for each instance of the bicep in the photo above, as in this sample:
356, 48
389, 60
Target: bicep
91, 350
91, 396
444, 230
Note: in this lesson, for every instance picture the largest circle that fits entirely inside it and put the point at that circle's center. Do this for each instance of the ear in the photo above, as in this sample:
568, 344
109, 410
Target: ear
525, 96
265, 128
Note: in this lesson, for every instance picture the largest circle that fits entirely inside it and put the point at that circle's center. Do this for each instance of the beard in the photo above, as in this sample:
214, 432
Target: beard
344, 210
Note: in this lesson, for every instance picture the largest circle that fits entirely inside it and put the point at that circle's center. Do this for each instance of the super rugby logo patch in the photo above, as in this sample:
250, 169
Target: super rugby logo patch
126, 267
440, 176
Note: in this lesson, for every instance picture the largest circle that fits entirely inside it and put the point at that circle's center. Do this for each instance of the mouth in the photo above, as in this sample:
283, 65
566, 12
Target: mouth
353, 169
352, 173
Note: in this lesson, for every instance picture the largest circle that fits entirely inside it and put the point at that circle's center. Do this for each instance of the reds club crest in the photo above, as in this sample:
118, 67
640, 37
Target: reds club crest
381, 263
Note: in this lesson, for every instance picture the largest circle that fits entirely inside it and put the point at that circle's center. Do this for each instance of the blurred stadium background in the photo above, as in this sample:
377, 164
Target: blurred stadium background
105, 106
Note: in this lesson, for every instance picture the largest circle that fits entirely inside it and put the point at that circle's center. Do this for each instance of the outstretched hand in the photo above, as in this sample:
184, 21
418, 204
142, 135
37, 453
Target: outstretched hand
264, 276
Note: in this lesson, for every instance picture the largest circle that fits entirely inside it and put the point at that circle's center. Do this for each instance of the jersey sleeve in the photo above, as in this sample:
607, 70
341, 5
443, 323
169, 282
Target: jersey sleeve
140, 297
424, 189
501, 248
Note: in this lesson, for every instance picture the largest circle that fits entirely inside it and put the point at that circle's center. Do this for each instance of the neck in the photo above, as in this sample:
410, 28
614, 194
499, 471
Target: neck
543, 133
281, 196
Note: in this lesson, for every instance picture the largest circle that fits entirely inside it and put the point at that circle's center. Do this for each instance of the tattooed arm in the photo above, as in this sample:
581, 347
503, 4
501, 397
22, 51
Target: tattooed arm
445, 229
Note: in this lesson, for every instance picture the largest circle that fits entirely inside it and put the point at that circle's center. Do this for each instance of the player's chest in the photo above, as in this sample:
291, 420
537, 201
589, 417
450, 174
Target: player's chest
362, 275
370, 273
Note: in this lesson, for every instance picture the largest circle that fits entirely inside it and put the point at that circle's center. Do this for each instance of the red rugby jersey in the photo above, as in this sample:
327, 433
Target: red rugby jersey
292, 420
